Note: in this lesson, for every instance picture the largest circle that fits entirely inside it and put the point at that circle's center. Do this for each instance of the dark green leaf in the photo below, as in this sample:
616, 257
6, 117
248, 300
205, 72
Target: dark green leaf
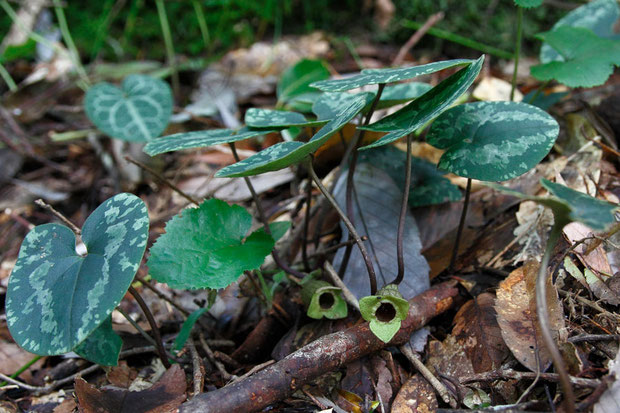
21, 51
426, 107
493, 141
279, 228
284, 154
376, 76
589, 60
208, 247
200, 139
56, 297
267, 118
401, 93
137, 112
329, 105
527, 4
544, 101
296, 80
102, 346
186, 328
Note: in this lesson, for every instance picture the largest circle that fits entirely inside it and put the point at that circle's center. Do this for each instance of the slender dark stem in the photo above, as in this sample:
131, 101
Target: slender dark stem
263, 219
517, 51
58, 215
348, 224
304, 247
403, 216
538, 91
335, 247
161, 351
459, 231
543, 319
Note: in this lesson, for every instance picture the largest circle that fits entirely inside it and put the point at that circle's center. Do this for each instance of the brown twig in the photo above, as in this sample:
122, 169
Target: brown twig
226, 376
521, 375
594, 337
58, 215
197, 367
416, 37
325, 354
349, 297
161, 295
459, 231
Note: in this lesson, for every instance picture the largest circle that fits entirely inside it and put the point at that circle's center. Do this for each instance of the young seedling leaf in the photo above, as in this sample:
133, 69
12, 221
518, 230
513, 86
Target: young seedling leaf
329, 105
376, 76
600, 16
56, 297
493, 141
589, 60
208, 247
186, 328
401, 93
426, 107
267, 118
102, 346
296, 80
284, 154
528, 4
138, 111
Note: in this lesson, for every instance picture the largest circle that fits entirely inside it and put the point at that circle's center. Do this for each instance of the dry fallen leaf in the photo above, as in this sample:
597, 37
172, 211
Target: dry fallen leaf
416, 395
610, 400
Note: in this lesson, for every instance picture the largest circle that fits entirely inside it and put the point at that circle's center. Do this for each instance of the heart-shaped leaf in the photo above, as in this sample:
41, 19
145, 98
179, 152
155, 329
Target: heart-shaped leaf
102, 346
329, 105
600, 16
589, 60
200, 139
493, 141
426, 107
376, 76
208, 247
267, 118
137, 112
284, 154
56, 297
296, 80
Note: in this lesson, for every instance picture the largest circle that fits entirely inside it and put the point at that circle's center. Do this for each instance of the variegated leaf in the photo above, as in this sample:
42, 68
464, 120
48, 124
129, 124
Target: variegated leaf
376, 76
268, 118
56, 297
493, 141
408, 119
102, 346
401, 93
329, 105
137, 112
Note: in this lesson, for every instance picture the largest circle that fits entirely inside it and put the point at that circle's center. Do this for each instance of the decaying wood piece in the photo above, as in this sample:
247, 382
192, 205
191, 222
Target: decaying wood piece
317, 358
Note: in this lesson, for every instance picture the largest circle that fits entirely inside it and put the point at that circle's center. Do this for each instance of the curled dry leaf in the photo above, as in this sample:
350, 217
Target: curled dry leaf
164, 396
517, 316
416, 395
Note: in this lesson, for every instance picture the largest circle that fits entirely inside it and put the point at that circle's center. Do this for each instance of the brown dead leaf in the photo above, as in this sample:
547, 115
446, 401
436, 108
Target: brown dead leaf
476, 329
383, 378
164, 396
67, 406
122, 375
517, 316
449, 359
13, 357
596, 260
416, 395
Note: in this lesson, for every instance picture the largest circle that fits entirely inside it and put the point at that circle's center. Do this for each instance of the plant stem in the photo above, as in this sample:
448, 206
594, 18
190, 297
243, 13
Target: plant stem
517, 51
459, 231
353, 233
6, 76
151, 320
304, 241
137, 327
165, 29
22, 369
543, 318
403, 216
66, 35
202, 23
538, 91
263, 219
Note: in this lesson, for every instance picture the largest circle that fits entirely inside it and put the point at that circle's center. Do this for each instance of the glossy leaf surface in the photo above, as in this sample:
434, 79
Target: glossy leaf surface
268, 118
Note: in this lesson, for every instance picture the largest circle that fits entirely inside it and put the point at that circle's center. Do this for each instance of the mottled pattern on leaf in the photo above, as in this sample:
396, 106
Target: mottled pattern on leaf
376, 76
493, 141
102, 346
329, 105
268, 118
428, 106
137, 112
401, 93
56, 298
206, 247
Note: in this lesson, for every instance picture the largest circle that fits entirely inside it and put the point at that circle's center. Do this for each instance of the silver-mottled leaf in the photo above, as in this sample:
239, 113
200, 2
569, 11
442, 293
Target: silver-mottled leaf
329, 105
268, 118
102, 346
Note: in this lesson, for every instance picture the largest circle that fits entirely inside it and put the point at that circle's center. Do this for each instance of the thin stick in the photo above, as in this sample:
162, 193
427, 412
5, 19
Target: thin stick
162, 179
520, 375
402, 218
459, 231
198, 369
58, 215
23, 369
6, 76
335, 247
165, 29
517, 51
253, 370
543, 319
154, 329
433, 381
226, 376
416, 37
594, 337
304, 240
349, 297
349, 225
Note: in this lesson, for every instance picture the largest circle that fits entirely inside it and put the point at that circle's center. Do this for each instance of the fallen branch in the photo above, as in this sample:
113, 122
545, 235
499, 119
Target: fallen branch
323, 355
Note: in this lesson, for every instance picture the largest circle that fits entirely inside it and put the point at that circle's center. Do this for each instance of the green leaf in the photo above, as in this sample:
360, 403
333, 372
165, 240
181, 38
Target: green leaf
493, 141
200, 139
428, 185
284, 154
186, 328
279, 228
267, 118
208, 247
593, 212
19, 51
296, 80
589, 60
137, 112
544, 101
528, 4
426, 107
401, 93
56, 297
376, 76
102, 346
329, 105
600, 16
